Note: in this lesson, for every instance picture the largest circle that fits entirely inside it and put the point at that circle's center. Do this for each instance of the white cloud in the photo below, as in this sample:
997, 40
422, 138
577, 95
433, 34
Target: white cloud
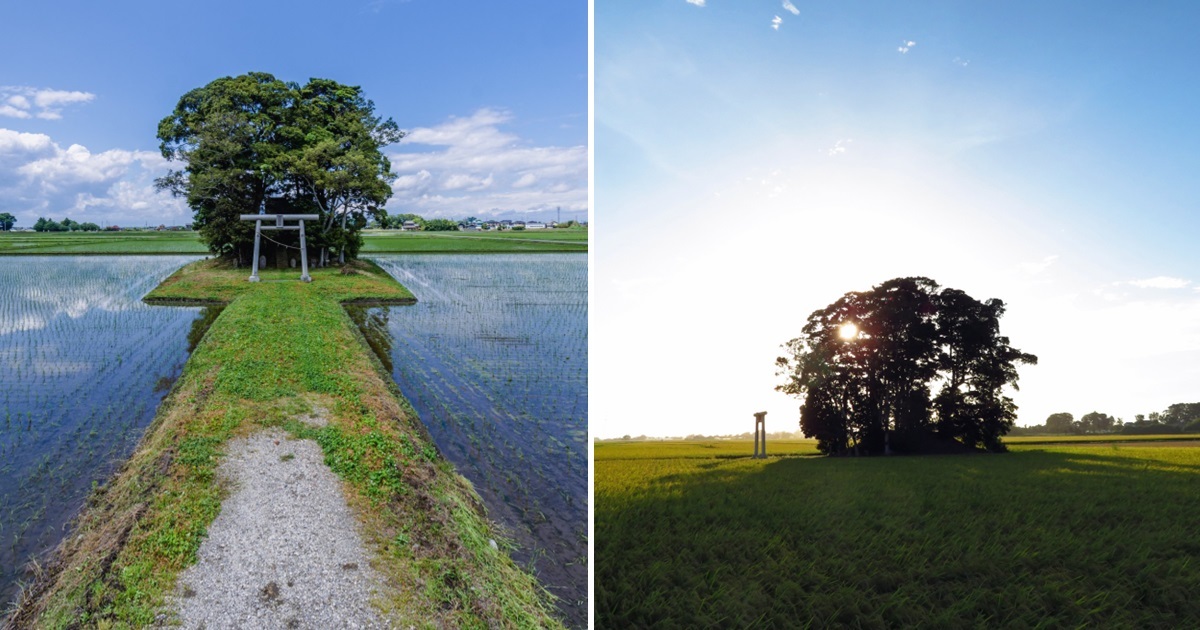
78, 165
17, 148
26, 102
787, 5
905, 46
698, 3
470, 166
13, 112
775, 22
959, 61
54, 98
463, 181
416, 181
40, 178
1160, 282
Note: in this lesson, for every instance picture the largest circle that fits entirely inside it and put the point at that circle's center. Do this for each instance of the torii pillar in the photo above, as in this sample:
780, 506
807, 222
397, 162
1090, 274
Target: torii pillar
278, 220
760, 428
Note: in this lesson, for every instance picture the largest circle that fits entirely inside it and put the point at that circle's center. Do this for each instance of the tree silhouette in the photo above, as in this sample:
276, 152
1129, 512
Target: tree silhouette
869, 388
1060, 422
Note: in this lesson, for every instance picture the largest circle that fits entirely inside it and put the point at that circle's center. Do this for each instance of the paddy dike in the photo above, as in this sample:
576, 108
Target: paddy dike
282, 352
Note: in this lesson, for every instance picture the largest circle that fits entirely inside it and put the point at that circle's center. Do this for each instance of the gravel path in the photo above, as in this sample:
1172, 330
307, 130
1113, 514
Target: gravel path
284, 552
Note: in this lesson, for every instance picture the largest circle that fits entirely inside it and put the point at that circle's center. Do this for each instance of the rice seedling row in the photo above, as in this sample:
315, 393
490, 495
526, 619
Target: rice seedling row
84, 365
493, 357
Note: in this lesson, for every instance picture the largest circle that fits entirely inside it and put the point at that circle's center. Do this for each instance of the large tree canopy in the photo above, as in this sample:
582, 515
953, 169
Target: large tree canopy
253, 139
900, 366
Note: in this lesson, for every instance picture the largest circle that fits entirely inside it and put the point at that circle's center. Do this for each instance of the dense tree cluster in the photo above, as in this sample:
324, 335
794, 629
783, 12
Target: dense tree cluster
397, 221
7, 220
440, 225
253, 140
904, 366
66, 225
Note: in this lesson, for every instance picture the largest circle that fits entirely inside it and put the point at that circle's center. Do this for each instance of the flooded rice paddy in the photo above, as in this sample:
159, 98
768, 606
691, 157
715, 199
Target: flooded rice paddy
493, 357
84, 364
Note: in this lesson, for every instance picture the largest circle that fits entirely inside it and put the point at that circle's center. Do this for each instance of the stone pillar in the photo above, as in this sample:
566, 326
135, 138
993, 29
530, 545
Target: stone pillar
303, 255
257, 234
760, 428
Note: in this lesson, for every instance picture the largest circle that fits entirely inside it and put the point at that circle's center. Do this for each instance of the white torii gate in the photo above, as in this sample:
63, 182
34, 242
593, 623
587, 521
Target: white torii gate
278, 225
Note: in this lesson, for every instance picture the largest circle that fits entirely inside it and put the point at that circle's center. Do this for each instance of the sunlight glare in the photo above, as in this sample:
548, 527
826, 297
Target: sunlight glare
848, 331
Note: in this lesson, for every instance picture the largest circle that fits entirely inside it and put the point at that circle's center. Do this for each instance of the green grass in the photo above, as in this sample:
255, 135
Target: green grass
715, 449
279, 350
375, 242
1045, 536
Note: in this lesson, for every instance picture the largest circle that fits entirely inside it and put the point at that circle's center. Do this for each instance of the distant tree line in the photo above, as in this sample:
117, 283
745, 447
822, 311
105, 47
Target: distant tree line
66, 225
396, 222
7, 220
1177, 418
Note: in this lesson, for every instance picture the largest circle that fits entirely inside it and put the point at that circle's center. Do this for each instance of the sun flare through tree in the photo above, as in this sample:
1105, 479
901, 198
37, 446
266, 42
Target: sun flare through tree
866, 367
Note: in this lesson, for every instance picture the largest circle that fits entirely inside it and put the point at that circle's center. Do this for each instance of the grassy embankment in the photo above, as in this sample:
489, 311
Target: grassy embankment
375, 242
280, 349
1058, 535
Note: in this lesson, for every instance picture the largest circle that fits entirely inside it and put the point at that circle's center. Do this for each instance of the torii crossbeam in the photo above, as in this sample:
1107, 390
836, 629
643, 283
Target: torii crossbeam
278, 220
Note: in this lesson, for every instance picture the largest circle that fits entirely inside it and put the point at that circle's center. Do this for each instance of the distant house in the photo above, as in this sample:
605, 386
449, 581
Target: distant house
535, 225
409, 226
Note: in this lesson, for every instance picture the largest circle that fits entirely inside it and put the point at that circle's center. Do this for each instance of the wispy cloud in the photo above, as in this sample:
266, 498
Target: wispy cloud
469, 166
27, 102
959, 61
906, 45
788, 6
775, 22
1034, 268
1160, 282
840, 146
698, 3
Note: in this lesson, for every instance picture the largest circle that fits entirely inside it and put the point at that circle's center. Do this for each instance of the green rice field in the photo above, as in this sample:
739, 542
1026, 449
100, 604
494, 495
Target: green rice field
375, 242
393, 241
690, 535
80, 243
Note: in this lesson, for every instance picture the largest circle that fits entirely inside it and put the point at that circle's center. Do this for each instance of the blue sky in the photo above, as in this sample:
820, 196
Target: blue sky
756, 159
495, 96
